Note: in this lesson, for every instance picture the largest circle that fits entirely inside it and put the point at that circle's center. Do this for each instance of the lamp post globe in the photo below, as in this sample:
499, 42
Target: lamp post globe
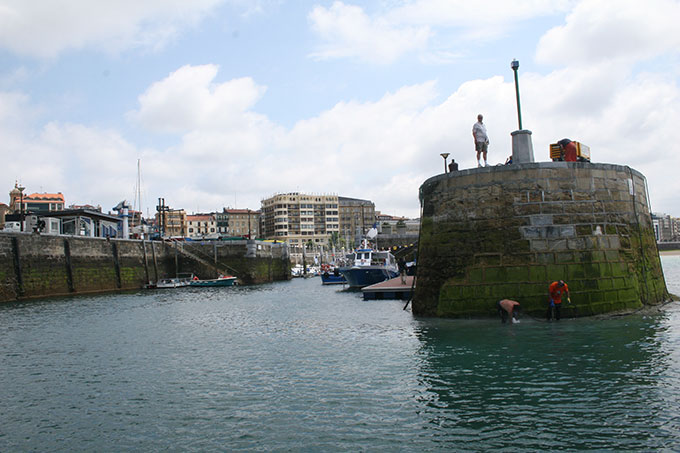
444, 155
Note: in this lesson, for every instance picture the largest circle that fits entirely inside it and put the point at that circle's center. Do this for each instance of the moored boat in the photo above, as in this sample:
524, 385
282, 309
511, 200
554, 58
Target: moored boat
180, 281
331, 275
223, 280
369, 266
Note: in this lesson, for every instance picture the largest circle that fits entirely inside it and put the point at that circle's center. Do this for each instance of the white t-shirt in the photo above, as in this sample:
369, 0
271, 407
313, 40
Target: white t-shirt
479, 131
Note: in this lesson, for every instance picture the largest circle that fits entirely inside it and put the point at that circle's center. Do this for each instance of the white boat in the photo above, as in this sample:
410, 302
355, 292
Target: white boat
180, 281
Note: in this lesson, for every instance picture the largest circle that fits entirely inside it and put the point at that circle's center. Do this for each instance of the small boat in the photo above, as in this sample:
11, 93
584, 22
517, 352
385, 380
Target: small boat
180, 281
368, 266
222, 280
331, 276
297, 271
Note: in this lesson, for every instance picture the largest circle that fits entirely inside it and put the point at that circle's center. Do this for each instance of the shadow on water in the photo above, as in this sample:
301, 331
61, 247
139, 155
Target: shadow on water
576, 384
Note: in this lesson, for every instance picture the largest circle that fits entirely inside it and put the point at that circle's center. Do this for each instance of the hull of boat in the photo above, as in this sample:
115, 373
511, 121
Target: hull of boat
215, 282
333, 279
360, 276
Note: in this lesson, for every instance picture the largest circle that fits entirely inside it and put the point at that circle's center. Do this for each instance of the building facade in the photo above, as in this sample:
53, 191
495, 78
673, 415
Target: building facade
201, 226
666, 228
238, 222
356, 218
37, 203
172, 222
298, 218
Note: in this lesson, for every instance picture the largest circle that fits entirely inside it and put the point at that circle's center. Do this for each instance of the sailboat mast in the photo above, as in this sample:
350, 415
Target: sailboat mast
139, 187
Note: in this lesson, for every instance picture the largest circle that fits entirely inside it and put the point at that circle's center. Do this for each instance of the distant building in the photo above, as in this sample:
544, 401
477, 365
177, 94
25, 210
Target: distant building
663, 227
201, 226
89, 207
356, 218
4, 210
238, 222
38, 203
23, 205
171, 222
389, 224
298, 218
77, 222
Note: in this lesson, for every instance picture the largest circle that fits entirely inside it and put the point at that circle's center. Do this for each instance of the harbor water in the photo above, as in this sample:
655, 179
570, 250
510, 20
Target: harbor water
297, 366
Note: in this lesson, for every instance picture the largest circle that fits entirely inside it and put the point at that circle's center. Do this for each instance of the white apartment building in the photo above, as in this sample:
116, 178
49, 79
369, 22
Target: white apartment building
201, 226
298, 218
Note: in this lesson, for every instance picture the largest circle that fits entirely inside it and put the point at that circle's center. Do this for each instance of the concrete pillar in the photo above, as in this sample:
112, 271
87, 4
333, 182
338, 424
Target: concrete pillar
522, 148
251, 248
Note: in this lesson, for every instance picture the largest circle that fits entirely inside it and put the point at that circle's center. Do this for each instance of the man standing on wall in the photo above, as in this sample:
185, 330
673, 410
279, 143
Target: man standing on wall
555, 291
481, 139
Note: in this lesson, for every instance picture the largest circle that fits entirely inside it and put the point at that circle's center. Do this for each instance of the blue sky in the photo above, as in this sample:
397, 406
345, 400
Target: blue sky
227, 102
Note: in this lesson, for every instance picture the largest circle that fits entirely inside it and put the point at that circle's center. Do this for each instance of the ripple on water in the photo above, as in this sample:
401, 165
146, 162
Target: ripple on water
299, 366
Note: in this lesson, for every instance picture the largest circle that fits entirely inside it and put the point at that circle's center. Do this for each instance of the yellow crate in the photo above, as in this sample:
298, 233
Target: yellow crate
555, 151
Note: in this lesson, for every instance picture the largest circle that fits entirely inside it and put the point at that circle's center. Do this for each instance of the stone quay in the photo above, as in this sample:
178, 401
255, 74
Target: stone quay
508, 231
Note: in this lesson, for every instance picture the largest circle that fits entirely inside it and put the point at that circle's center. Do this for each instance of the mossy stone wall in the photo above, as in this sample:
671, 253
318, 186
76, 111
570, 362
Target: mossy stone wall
33, 265
508, 231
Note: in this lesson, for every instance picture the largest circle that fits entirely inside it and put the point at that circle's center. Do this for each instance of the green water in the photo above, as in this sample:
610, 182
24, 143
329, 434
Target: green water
297, 366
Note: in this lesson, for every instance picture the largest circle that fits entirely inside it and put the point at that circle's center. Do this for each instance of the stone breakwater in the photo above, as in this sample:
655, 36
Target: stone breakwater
508, 231
34, 265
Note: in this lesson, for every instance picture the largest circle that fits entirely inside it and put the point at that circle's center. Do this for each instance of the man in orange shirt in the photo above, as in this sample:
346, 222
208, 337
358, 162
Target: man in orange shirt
556, 290
569, 153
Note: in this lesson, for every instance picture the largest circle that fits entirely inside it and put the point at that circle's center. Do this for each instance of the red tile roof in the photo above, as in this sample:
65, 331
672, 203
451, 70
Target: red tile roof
44, 197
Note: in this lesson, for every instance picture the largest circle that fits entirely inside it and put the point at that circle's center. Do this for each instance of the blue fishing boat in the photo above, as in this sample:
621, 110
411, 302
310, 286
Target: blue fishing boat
368, 266
332, 277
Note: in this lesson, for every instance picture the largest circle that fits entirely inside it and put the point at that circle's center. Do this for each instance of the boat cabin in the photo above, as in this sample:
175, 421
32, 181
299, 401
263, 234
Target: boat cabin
370, 257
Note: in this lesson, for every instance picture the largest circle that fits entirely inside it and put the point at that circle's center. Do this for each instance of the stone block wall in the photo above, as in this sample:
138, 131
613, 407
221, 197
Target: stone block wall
508, 231
33, 265
252, 261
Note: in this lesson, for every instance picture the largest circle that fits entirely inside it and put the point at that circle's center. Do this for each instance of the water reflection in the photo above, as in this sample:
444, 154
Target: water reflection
570, 385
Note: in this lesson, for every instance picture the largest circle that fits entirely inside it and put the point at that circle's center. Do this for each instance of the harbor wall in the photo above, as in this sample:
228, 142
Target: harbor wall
33, 265
509, 231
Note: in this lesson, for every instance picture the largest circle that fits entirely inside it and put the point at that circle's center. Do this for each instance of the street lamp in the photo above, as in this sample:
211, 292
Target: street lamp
21, 207
444, 155
515, 66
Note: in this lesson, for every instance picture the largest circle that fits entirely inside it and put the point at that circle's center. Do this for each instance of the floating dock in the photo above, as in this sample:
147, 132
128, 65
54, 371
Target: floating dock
390, 289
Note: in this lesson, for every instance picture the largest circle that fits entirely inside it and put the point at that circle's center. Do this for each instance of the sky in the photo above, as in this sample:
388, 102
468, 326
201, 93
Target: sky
224, 103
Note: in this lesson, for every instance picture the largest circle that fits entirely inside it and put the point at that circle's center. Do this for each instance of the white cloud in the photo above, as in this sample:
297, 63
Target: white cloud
189, 99
490, 17
44, 29
381, 150
349, 33
598, 30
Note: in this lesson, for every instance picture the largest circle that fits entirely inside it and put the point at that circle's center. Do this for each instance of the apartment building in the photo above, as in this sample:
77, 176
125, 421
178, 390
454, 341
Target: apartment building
172, 222
238, 222
201, 226
357, 216
665, 227
298, 218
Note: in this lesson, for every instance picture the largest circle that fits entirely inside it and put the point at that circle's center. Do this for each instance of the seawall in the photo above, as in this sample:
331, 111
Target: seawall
508, 231
34, 265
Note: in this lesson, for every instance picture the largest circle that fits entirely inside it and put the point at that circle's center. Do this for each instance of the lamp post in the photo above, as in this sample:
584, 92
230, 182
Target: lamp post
444, 155
21, 207
515, 66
